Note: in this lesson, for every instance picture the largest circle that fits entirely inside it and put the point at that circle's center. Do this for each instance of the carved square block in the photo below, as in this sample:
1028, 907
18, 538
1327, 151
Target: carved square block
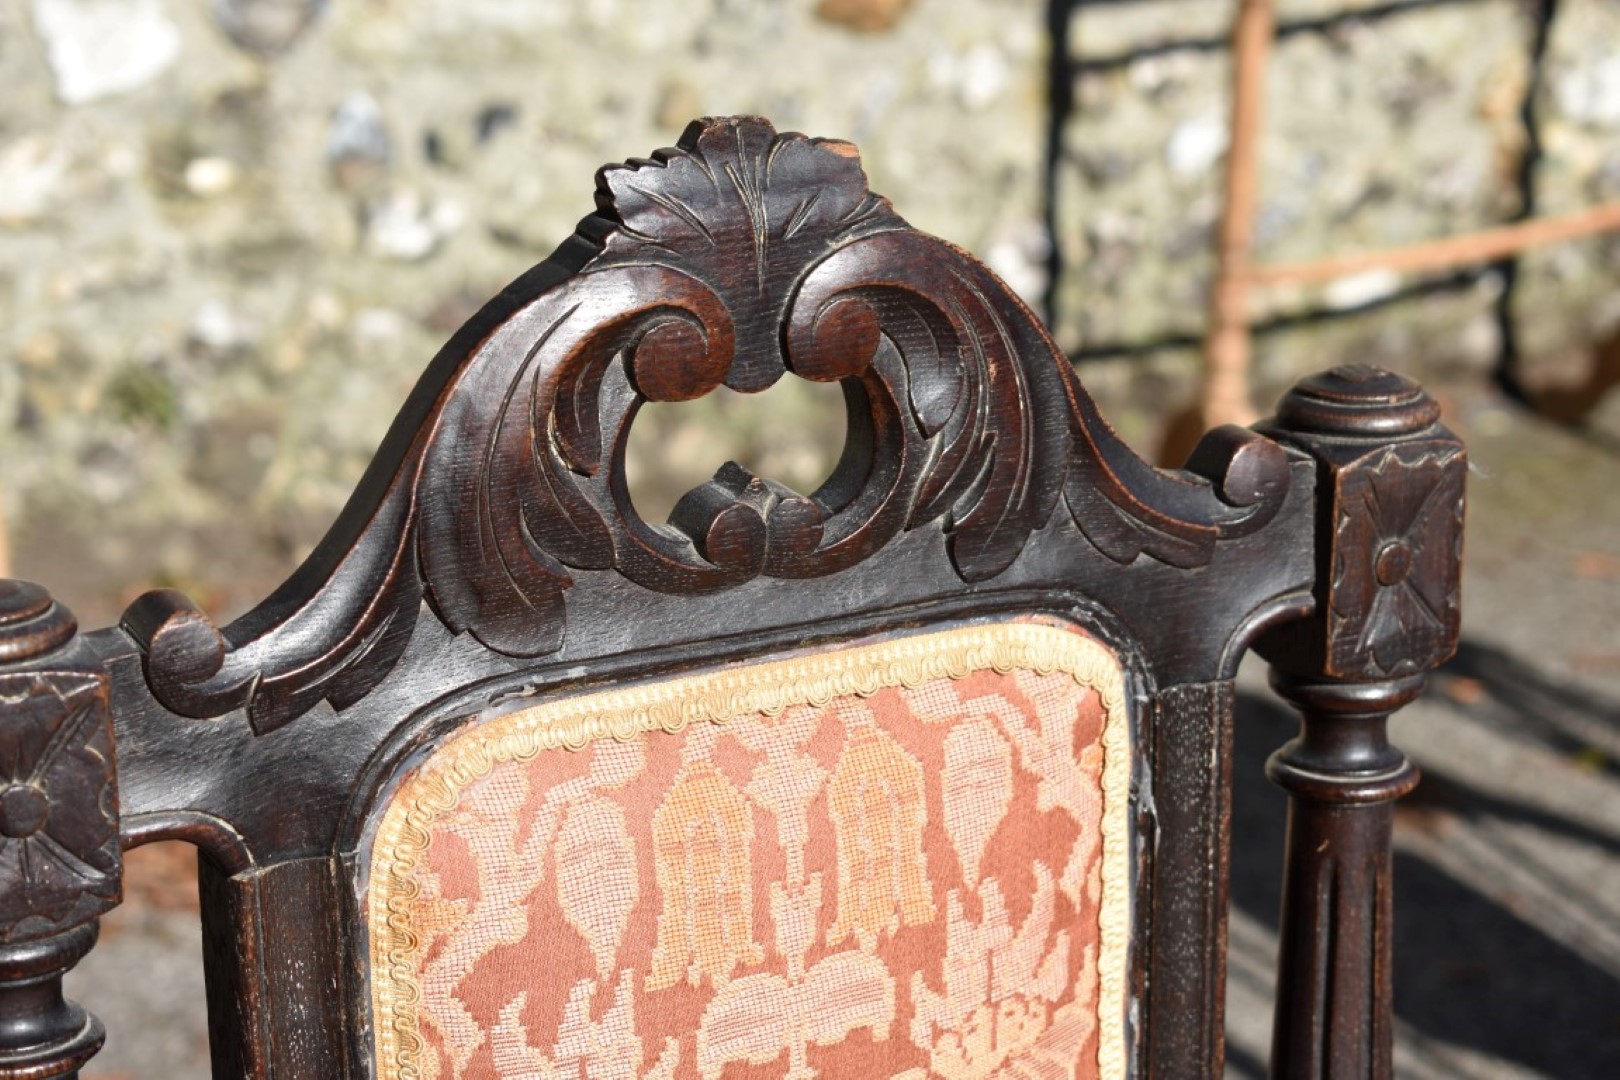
60, 863
1394, 569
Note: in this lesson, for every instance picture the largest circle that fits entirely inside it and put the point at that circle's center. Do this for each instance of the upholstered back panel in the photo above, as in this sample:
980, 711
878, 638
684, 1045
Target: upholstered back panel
905, 858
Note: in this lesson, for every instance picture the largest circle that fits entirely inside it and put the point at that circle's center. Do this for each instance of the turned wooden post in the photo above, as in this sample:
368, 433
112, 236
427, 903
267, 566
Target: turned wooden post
60, 866
1389, 536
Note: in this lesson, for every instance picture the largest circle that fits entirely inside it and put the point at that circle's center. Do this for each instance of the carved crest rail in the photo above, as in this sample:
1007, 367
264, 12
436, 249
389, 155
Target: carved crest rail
738, 257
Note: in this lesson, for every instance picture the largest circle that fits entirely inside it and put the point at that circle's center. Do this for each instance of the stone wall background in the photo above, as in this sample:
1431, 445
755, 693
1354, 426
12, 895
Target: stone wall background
1387, 123
233, 232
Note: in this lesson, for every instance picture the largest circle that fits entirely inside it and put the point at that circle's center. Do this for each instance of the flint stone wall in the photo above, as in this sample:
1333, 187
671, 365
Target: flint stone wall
232, 233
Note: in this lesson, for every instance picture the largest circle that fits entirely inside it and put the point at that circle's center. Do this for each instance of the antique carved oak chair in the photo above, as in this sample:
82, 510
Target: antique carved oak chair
923, 774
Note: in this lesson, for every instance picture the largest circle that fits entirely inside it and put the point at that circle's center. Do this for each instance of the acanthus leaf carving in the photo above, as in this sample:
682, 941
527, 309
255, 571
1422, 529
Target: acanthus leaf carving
737, 257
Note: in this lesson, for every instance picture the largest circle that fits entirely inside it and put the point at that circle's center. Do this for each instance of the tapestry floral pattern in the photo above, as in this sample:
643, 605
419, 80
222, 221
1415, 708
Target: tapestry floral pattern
903, 859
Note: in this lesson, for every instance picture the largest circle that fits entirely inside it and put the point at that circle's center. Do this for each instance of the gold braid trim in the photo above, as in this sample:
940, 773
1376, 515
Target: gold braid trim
716, 697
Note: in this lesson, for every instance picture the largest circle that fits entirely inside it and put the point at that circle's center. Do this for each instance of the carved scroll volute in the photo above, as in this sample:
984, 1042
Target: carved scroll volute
1389, 530
60, 866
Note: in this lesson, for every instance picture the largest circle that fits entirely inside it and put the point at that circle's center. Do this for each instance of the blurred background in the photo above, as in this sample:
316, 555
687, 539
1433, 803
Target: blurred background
232, 233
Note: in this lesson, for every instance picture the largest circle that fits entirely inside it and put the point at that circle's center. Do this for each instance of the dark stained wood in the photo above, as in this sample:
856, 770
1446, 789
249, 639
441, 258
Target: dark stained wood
492, 551
1389, 554
60, 863
233, 957
732, 259
1335, 1008
305, 1014
44, 1034
1389, 526
1192, 785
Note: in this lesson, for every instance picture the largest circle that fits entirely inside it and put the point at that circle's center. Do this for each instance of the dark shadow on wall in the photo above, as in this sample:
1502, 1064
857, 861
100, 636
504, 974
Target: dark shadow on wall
1470, 970
1293, 320
1286, 28
1541, 14
1066, 66
1060, 77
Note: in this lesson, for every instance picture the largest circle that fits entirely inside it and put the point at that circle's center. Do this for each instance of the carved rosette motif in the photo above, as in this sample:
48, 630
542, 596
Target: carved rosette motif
59, 857
1391, 484
60, 862
737, 257
1389, 496
1395, 597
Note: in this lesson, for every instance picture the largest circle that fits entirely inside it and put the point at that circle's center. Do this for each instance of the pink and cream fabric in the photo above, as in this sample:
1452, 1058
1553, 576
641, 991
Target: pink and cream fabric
906, 858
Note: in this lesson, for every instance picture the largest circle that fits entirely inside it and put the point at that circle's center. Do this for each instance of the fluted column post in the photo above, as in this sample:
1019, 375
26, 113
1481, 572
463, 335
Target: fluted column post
1334, 989
1389, 536
60, 866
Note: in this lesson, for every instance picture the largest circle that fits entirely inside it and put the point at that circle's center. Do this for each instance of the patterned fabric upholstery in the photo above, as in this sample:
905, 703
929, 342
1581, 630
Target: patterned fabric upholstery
907, 858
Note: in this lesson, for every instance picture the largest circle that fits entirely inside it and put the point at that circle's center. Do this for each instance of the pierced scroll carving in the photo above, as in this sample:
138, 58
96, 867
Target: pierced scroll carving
737, 257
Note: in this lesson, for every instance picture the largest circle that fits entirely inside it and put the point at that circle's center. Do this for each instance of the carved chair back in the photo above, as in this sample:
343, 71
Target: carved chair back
923, 773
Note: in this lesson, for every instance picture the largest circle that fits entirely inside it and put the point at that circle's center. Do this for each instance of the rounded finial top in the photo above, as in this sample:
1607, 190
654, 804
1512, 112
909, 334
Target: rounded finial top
1358, 400
31, 622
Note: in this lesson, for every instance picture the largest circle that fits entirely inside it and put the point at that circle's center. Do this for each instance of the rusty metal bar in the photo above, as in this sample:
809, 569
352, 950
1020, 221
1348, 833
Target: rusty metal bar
1449, 252
1225, 395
